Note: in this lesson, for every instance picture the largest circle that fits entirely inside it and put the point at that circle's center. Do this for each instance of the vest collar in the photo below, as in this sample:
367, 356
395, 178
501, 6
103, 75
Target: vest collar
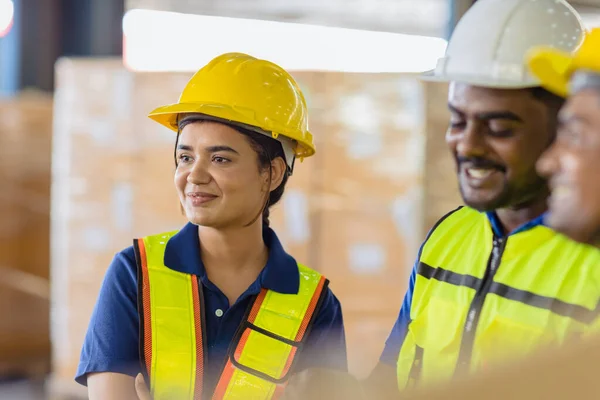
280, 274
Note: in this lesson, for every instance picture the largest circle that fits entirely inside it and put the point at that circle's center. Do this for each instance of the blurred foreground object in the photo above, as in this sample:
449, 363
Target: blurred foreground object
566, 373
318, 383
25, 153
313, 383
555, 68
572, 163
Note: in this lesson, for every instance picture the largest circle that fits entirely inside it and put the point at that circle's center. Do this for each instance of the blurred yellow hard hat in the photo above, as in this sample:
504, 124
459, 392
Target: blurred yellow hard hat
554, 68
244, 90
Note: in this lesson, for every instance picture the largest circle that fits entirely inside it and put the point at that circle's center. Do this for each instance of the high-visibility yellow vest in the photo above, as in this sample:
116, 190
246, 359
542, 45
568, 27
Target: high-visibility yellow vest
480, 300
172, 341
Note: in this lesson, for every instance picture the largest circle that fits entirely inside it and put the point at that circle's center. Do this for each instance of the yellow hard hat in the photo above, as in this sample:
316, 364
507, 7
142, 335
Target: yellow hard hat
244, 90
554, 68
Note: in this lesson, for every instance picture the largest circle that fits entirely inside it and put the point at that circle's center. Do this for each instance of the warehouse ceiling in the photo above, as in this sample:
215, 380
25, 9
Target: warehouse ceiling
422, 17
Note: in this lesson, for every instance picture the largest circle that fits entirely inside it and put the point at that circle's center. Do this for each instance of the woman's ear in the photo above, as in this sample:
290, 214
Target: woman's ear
278, 171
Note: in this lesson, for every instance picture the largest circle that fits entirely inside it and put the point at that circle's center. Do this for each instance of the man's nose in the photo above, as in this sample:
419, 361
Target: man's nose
547, 164
470, 142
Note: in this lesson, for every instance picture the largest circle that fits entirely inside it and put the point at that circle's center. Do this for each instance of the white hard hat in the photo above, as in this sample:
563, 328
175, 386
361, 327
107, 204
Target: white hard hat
489, 44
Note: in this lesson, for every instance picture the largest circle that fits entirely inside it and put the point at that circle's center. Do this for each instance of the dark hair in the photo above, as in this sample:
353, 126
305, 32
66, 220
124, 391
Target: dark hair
267, 150
553, 102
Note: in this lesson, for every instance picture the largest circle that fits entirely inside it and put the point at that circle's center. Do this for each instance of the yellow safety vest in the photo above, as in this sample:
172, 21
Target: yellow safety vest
172, 341
480, 300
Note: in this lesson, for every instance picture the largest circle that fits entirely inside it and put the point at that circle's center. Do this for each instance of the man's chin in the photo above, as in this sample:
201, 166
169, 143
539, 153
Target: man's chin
481, 207
572, 227
483, 204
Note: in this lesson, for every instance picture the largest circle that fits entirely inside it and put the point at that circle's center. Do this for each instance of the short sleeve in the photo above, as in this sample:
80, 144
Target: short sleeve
111, 341
325, 347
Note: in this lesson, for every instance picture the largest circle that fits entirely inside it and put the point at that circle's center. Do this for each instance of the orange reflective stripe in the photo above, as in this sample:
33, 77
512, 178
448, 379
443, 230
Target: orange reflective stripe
199, 339
172, 337
146, 334
307, 318
229, 368
224, 381
146, 346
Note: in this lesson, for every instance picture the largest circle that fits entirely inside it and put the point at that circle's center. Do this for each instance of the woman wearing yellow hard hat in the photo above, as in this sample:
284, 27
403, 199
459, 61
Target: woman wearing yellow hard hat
218, 309
572, 163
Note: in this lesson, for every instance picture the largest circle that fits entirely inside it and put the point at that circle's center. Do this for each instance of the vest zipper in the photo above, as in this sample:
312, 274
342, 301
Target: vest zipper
470, 328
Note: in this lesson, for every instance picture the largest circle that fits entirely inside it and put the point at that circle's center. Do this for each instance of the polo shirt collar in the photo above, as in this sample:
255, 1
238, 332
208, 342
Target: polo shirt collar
280, 274
497, 225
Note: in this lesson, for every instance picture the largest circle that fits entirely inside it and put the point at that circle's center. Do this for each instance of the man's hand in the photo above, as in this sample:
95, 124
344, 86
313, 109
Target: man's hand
141, 388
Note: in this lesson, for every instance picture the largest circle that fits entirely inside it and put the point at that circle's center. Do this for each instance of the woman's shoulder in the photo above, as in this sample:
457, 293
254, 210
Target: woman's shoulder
122, 271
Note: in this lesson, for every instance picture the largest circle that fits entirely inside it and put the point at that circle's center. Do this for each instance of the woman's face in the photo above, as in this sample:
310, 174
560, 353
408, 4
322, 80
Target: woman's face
218, 178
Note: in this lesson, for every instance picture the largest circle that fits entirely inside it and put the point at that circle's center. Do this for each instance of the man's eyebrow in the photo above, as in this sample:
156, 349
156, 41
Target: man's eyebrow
489, 115
486, 116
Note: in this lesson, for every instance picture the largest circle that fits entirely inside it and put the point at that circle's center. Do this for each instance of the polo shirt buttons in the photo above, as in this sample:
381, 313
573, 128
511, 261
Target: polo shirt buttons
219, 313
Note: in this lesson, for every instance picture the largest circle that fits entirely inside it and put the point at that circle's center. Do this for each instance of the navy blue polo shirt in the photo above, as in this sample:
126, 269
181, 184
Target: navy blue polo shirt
112, 342
396, 337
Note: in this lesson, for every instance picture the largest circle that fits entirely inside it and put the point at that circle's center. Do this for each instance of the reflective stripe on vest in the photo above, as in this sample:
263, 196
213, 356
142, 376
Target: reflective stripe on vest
480, 300
172, 342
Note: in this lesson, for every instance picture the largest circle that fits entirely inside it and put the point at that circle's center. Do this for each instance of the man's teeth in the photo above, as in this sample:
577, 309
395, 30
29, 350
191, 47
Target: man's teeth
479, 173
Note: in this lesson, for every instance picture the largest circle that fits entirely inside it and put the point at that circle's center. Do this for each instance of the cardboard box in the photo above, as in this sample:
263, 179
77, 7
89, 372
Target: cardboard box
26, 126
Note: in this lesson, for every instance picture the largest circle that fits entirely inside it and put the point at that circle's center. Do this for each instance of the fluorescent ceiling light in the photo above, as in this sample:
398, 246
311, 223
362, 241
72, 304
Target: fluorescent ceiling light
167, 41
7, 11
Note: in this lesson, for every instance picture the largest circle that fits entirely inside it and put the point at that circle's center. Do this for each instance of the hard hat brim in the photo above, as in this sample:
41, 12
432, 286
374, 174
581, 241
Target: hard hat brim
167, 116
552, 67
474, 80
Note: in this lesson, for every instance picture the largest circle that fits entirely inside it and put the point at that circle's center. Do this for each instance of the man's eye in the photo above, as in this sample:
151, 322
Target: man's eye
457, 124
501, 133
569, 136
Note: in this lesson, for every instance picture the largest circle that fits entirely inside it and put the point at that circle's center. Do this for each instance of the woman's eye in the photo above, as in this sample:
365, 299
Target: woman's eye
185, 158
220, 160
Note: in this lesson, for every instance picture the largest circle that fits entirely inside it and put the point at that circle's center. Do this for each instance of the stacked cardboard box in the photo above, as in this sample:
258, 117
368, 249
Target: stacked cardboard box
25, 142
367, 200
354, 211
441, 186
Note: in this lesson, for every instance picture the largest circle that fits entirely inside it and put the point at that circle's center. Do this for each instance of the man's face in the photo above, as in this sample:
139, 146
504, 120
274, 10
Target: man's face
572, 165
496, 136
